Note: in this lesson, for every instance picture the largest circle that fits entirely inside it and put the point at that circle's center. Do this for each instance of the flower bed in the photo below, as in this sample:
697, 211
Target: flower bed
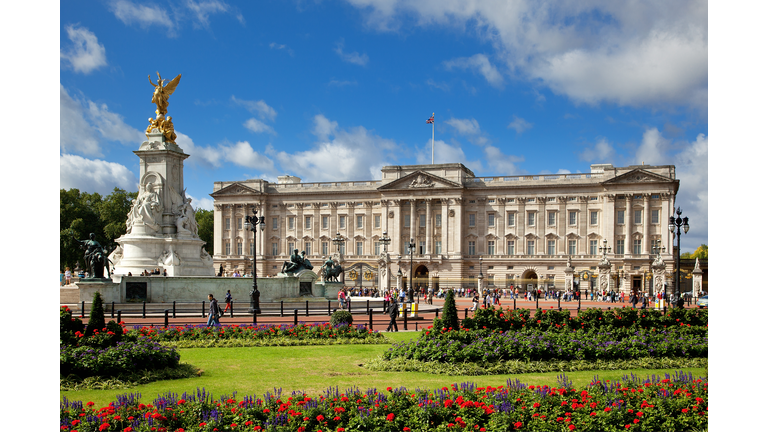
677, 402
265, 334
490, 346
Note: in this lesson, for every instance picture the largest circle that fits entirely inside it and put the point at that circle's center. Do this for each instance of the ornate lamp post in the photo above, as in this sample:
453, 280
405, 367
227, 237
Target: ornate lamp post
480, 278
676, 223
254, 223
384, 240
411, 247
338, 241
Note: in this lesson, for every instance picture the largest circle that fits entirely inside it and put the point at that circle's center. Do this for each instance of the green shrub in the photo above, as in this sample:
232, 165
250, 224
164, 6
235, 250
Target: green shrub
341, 317
450, 319
96, 321
68, 326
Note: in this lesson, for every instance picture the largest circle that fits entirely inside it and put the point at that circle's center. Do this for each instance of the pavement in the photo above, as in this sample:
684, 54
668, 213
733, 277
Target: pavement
155, 314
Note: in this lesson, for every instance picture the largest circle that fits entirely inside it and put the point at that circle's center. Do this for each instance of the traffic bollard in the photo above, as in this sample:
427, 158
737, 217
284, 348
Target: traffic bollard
295, 317
166, 318
144, 309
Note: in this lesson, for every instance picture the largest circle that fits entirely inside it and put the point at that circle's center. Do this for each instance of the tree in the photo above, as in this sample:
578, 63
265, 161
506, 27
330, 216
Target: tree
702, 252
204, 220
113, 211
450, 314
96, 321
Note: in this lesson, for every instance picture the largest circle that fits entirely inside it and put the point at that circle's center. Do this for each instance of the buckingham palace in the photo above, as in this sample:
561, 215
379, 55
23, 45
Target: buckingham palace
530, 231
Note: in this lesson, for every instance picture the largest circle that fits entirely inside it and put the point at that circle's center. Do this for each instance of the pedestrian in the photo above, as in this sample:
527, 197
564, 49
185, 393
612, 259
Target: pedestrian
341, 298
429, 295
68, 275
165, 273
228, 301
393, 310
213, 311
475, 302
61, 278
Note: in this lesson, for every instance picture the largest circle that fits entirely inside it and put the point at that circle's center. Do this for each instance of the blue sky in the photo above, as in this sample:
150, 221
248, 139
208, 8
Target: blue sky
329, 90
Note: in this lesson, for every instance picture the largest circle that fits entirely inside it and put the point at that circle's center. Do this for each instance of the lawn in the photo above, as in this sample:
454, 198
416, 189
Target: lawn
256, 370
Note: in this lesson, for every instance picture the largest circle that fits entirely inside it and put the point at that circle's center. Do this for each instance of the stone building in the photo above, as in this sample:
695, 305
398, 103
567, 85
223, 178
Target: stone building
531, 231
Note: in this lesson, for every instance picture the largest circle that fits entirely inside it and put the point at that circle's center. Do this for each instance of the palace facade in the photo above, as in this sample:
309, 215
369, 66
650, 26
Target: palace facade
524, 230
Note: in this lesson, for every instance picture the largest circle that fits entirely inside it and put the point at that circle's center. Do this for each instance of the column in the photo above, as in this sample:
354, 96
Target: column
430, 232
541, 225
629, 217
665, 209
647, 224
396, 232
458, 228
300, 226
247, 235
444, 227
562, 226
481, 220
414, 222
583, 221
232, 231
260, 208
218, 222
368, 226
521, 243
608, 222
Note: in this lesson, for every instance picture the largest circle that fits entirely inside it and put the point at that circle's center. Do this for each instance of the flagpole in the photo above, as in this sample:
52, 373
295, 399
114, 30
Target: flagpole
433, 140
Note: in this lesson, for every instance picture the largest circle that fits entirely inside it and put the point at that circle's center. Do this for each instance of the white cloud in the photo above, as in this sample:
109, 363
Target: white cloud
203, 9
601, 152
654, 148
145, 16
354, 57
438, 85
651, 53
86, 53
445, 153
337, 83
519, 124
478, 63
94, 175
205, 156
501, 163
203, 203
75, 134
355, 154
278, 46
464, 126
260, 108
79, 119
258, 126
692, 168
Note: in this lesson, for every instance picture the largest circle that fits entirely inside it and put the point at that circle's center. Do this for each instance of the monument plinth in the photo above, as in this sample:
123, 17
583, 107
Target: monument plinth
161, 227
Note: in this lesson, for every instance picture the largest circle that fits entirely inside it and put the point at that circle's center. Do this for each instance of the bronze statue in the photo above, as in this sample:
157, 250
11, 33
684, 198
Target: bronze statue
162, 92
297, 263
95, 257
331, 271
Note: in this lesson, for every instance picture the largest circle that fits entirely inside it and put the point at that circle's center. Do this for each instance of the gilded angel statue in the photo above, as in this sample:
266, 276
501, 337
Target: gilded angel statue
163, 90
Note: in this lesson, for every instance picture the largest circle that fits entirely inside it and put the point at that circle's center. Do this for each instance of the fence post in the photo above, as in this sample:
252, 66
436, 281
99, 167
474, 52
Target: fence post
466, 311
203, 309
306, 308
370, 319
166, 318
254, 317
295, 317
174, 308
82, 309
514, 303
144, 309
119, 313
329, 308
558, 303
405, 317
231, 308
367, 304
281, 308
113, 310
437, 313
349, 304
537, 299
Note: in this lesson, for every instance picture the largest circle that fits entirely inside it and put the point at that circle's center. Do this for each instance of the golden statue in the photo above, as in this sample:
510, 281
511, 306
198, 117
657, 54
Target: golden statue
162, 92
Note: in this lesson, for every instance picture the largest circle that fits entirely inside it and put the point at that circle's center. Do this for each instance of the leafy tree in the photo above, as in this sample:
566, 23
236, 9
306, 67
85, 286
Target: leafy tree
450, 317
113, 211
702, 252
204, 220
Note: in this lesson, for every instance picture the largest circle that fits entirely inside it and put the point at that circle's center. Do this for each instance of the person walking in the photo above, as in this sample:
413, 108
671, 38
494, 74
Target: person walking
393, 310
68, 275
228, 301
213, 311
341, 298
475, 301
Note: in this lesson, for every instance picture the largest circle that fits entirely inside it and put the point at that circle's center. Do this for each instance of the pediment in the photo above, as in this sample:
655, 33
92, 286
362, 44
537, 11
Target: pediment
638, 175
235, 189
420, 180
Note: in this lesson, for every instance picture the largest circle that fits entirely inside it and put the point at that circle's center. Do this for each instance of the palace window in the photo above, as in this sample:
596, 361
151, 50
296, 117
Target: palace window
491, 247
290, 247
620, 247
422, 248
226, 224
422, 220
472, 220
239, 223
510, 219
377, 221
342, 222
638, 217
438, 221
251, 248
620, 217
343, 248
359, 222
531, 218
491, 219
551, 218
291, 222
308, 248
239, 248
438, 247
274, 223
654, 216
571, 247
510, 247
227, 248
471, 247
274, 249
359, 246
407, 220
593, 247
550, 247
325, 222
593, 217
308, 222
637, 246
377, 248
572, 217
325, 248
531, 247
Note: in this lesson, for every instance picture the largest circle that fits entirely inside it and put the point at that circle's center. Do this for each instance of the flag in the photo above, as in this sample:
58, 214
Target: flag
431, 119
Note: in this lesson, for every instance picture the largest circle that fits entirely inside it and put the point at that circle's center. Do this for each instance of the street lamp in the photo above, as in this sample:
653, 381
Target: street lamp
254, 223
604, 248
385, 241
676, 223
411, 247
480, 276
338, 241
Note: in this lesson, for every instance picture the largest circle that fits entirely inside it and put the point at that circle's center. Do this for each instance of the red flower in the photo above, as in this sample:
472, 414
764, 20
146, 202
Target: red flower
390, 417
536, 405
607, 409
571, 427
685, 410
406, 429
389, 389
639, 414
518, 425
320, 418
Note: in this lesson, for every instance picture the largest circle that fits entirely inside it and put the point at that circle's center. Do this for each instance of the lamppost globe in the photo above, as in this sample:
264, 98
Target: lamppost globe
674, 227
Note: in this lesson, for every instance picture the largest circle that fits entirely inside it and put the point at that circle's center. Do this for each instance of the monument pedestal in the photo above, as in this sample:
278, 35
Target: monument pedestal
110, 291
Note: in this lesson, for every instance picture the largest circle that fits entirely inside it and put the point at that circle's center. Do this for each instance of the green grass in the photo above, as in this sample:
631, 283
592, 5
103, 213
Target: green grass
255, 370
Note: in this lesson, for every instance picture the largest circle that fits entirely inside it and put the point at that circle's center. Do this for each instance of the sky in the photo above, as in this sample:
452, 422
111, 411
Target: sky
334, 90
